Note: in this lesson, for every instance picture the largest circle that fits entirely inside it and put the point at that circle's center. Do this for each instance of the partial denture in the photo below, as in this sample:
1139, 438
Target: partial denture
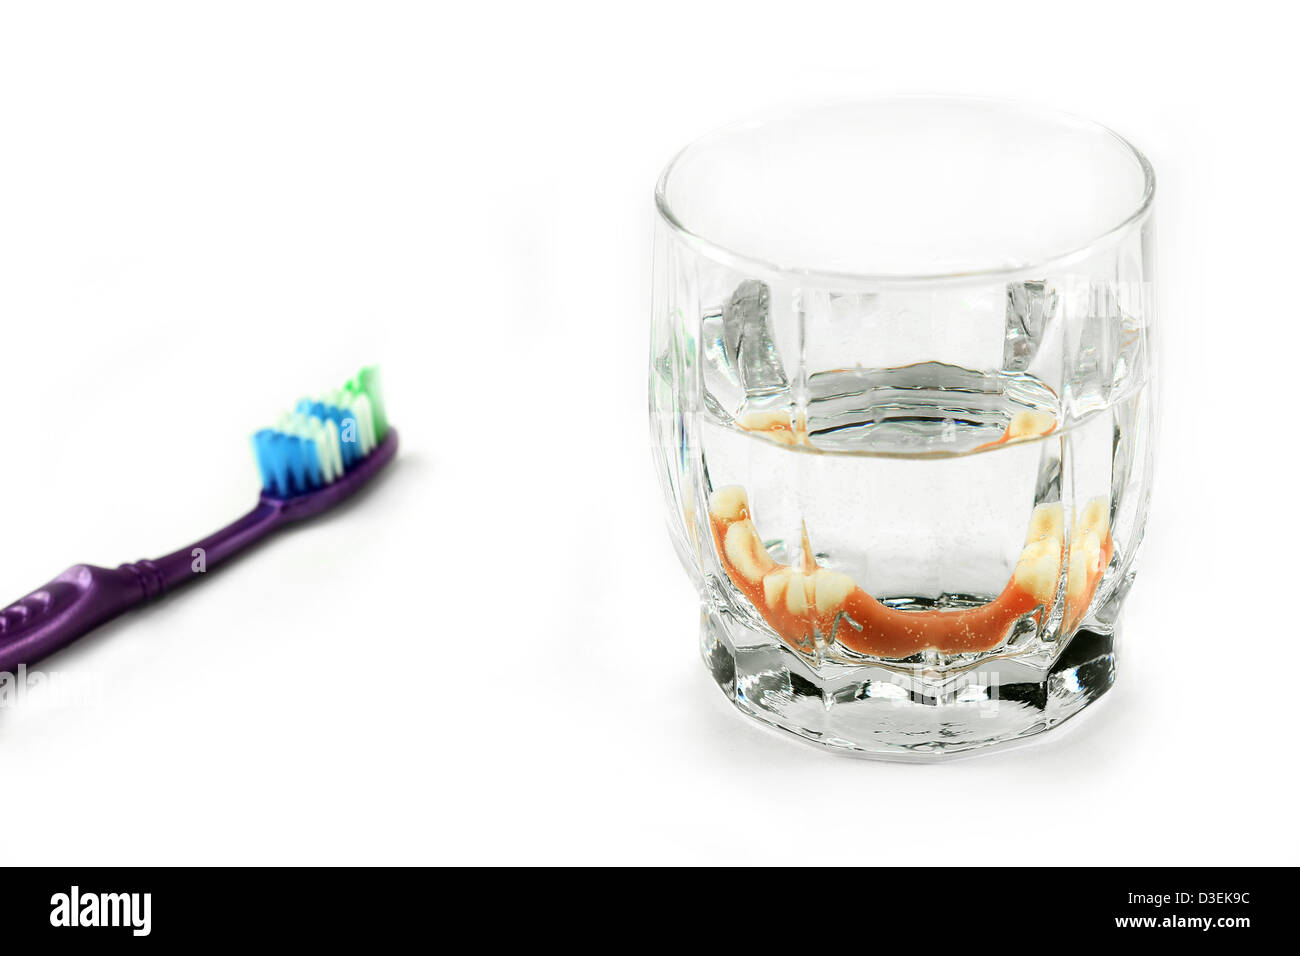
1091, 547
812, 605
1024, 425
776, 425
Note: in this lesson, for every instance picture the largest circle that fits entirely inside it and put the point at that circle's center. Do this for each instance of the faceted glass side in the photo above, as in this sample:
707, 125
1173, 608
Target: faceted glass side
911, 511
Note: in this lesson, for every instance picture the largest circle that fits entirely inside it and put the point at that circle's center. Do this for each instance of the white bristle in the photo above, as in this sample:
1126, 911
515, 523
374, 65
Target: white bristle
361, 408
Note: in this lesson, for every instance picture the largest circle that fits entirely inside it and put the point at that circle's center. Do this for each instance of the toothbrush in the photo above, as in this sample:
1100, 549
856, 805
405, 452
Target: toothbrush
310, 460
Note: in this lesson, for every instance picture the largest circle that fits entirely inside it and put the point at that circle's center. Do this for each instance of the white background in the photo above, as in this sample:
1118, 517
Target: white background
207, 210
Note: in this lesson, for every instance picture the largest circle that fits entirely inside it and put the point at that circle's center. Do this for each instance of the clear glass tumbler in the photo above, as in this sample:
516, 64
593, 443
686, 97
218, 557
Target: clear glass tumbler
901, 406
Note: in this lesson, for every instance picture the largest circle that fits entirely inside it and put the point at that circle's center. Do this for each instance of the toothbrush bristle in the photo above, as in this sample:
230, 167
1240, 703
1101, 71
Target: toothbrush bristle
317, 442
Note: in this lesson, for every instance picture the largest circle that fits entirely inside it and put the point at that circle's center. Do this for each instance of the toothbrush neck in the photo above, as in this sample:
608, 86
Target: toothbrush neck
160, 575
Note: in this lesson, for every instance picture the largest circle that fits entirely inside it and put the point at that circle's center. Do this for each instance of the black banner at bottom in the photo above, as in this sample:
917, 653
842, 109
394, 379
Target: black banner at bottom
923, 907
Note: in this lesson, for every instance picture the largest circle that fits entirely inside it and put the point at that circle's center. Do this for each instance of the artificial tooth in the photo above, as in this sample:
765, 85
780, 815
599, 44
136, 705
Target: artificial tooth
745, 551
1095, 516
832, 589
1047, 522
1029, 424
762, 421
774, 585
729, 503
796, 595
1039, 568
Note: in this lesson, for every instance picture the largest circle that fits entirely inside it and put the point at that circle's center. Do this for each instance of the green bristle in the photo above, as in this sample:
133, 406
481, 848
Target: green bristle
366, 382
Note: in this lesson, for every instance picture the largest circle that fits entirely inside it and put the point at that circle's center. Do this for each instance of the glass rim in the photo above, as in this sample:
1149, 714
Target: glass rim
725, 255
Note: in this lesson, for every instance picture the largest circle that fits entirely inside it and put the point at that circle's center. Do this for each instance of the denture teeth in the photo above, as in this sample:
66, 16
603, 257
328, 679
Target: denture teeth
729, 503
795, 600
1091, 549
1027, 424
744, 549
1095, 517
1039, 568
760, 421
1085, 561
774, 585
1076, 584
832, 589
796, 594
1047, 522
775, 425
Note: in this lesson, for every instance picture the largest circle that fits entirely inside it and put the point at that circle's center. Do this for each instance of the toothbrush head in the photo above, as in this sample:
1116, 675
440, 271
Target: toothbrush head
326, 447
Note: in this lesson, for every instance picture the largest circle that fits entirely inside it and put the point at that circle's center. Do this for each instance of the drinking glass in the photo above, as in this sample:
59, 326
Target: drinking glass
901, 409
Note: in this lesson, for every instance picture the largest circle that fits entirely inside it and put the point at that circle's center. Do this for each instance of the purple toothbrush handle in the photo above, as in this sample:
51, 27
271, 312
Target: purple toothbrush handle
84, 596
81, 598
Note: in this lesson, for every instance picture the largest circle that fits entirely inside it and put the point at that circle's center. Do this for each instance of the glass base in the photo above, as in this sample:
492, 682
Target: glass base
900, 712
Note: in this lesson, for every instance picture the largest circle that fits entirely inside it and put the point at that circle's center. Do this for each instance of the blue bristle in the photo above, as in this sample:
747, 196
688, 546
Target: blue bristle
314, 477
293, 453
344, 421
284, 445
262, 444
287, 463
278, 464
